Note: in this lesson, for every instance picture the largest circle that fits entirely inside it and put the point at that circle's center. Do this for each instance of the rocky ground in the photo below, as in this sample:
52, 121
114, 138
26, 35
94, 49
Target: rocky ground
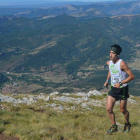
59, 102
92, 98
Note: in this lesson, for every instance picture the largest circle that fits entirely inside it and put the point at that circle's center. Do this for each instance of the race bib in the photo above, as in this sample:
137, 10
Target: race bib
116, 79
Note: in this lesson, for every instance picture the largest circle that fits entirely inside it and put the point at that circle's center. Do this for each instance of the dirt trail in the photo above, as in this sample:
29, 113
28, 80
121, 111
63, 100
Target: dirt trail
4, 137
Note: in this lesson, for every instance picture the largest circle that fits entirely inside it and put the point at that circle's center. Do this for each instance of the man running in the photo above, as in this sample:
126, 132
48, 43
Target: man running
120, 75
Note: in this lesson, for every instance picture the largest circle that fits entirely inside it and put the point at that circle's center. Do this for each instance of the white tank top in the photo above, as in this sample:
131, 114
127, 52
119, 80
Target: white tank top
117, 75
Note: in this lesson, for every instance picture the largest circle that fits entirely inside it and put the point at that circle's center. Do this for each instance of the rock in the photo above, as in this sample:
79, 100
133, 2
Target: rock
31, 96
73, 107
95, 103
53, 105
79, 101
48, 105
85, 105
117, 103
94, 92
7, 99
131, 101
131, 96
120, 126
90, 93
19, 101
31, 100
81, 94
63, 99
90, 109
60, 107
47, 99
2, 107
66, 94
25, 98
85, 98
41, 96
82, 99
54, 93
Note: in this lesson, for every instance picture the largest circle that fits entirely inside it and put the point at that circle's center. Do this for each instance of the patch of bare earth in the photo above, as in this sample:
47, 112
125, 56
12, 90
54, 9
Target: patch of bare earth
4, 137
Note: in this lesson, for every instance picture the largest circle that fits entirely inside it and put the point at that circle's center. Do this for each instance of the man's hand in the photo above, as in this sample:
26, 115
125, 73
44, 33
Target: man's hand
106, 84
117, 85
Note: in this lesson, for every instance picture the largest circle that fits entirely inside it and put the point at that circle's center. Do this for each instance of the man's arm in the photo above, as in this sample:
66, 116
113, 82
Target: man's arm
125, 68
108, 76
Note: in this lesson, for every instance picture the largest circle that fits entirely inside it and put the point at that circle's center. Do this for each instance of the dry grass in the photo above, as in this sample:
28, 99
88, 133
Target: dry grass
38, 122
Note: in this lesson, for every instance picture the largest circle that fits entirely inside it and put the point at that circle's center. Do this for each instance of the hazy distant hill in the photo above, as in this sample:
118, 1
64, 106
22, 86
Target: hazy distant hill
90, 10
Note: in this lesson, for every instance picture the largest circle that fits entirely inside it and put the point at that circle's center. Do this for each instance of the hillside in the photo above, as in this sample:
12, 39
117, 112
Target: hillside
53, 67
65, 48
59, 53
64, 116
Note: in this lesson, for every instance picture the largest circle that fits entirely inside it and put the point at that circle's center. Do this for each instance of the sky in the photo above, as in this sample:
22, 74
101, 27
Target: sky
26, 2
43, 1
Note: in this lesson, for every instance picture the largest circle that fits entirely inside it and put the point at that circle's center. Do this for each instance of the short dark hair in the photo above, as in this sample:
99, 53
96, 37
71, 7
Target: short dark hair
117, 49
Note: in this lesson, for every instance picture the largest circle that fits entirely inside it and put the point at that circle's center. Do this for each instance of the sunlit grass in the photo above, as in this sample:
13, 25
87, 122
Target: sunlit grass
38, 122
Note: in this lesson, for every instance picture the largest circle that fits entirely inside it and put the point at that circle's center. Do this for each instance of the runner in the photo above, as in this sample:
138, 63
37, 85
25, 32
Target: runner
120, 75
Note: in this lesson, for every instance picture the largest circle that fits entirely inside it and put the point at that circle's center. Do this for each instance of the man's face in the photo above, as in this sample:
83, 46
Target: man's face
113, 56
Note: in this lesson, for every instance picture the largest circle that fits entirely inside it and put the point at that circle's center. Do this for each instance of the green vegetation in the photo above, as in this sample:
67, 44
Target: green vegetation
37, 122
3, 79
78, 43
66, 45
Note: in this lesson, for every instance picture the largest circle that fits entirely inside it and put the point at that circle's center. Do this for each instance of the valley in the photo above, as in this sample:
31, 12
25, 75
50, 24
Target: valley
66, 53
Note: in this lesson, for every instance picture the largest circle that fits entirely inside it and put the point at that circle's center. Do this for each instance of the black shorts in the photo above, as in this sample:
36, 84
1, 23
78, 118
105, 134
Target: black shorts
119, 93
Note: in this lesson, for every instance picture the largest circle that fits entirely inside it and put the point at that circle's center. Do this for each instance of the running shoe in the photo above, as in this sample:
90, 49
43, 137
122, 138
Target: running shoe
112, 129
127, 128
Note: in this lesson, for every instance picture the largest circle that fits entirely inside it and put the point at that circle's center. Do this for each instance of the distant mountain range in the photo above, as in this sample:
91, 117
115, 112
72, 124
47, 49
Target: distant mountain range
90, 10
67, 52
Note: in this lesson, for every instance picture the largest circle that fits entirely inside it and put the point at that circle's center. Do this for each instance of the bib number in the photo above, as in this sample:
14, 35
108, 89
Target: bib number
116, 79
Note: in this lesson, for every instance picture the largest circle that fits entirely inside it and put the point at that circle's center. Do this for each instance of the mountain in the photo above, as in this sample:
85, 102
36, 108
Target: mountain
66, 48
65, 53
86, 10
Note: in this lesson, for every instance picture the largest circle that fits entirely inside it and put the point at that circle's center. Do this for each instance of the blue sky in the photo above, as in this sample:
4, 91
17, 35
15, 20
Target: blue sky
42, 1
26, 2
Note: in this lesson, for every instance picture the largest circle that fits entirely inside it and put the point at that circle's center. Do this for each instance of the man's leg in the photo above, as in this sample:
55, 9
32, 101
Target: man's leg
110, 104
123, 109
